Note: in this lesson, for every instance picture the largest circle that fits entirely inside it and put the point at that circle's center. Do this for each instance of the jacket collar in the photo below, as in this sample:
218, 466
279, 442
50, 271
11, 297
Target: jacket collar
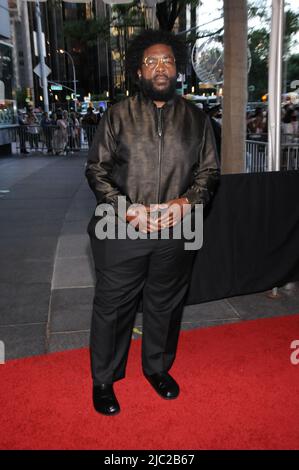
149, 101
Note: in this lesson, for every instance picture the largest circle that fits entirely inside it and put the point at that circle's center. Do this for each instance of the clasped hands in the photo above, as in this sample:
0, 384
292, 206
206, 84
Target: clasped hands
143, 219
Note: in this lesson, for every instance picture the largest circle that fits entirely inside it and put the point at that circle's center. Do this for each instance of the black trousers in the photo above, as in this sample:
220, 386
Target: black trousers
160, 271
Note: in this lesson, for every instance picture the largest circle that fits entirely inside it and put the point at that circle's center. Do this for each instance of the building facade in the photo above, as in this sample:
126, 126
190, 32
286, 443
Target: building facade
96, 36
7, 83
58, 18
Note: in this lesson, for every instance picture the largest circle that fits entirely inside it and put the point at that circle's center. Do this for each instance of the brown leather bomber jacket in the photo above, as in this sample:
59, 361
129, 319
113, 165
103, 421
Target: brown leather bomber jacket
152, 155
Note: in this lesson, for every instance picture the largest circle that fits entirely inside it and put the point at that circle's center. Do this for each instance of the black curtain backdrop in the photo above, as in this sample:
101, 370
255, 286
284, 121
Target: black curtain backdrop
251, 237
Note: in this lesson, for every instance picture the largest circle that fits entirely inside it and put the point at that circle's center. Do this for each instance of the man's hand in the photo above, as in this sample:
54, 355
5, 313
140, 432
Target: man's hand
175, 212
141, 217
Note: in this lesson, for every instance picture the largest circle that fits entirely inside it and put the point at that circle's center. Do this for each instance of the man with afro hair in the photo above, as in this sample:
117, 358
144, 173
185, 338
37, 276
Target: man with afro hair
156, 152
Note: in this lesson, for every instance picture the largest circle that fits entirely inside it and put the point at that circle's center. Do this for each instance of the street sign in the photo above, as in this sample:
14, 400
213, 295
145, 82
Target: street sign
56, 87
38, 71
43, 44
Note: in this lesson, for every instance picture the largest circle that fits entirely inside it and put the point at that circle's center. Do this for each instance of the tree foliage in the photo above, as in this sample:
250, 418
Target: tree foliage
259, 44
86, 32
167, 12
293, 69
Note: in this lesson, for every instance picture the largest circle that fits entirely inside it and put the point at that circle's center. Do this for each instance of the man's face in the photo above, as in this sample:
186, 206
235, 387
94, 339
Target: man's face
158, 73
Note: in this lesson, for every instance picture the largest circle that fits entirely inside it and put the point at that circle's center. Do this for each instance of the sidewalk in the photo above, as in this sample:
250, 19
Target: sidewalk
46, 276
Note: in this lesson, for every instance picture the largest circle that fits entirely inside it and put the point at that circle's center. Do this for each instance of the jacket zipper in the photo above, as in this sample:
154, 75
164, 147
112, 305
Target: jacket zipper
160, 151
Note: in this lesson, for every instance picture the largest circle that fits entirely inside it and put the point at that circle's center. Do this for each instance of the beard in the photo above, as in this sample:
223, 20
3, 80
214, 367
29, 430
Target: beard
149, 89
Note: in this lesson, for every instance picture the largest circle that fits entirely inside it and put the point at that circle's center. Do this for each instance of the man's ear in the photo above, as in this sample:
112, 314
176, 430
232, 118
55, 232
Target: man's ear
139, 73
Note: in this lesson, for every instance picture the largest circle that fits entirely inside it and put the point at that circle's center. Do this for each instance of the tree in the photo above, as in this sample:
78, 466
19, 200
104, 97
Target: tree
86, 32
235, 86
168, 11
123, 18
293, 70
259, 43
82, 42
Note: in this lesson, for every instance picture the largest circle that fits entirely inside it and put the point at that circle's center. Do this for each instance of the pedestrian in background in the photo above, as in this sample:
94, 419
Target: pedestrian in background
89, 123
46, 126
22, 121
60, 135
33, 130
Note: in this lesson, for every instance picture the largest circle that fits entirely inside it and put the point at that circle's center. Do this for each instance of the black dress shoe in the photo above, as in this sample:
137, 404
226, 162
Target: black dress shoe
164, 385
104, 400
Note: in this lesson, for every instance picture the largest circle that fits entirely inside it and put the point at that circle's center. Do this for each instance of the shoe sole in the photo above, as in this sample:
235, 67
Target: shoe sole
108, 414
168, 398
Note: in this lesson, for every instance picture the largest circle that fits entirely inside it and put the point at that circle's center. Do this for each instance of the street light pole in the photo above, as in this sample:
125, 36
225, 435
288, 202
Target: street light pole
275, 84
62, 51
41, 56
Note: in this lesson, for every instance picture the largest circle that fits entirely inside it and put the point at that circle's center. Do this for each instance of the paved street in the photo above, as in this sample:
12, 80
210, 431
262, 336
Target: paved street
46, 275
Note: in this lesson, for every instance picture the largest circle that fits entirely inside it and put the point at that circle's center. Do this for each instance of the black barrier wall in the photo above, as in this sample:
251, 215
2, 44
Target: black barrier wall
251, 237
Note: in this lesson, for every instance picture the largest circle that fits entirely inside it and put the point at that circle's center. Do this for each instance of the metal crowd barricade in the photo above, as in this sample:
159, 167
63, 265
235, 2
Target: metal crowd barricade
290, 153
256, 154
8, 133
256, 159
51, 139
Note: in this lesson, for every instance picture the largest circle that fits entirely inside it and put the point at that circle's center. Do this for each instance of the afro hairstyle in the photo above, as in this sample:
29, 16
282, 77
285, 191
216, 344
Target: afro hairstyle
148, 38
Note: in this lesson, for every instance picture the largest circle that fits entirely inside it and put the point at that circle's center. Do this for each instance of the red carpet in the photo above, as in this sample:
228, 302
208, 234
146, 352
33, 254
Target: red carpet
239, 390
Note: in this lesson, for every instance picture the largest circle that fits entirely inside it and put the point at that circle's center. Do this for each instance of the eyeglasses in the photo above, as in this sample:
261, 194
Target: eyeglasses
152, 62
